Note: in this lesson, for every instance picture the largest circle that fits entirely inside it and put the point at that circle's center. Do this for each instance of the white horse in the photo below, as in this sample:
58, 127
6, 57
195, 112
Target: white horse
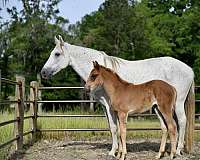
167, 69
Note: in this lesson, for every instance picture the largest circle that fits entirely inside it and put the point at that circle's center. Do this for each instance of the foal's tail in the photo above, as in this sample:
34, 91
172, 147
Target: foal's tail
174, 99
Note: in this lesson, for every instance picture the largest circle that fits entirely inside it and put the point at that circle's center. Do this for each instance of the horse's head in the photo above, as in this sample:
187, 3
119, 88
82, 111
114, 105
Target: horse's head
95, 79
58, 59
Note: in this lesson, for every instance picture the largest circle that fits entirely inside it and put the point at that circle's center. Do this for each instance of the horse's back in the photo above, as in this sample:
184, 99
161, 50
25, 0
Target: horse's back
168, 63
168, 69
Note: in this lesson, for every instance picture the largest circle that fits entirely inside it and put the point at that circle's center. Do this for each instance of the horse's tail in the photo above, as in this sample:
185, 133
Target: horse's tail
190, 115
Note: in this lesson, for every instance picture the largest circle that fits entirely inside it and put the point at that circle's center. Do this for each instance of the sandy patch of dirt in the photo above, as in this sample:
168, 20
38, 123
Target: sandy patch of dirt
96, 150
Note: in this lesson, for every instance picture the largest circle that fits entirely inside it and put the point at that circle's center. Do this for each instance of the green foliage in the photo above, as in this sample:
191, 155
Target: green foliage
151, 28
26, 41
124, 28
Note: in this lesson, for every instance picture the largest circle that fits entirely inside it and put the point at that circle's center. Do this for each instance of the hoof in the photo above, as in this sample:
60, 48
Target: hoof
108, 157
179, 153
111, 153
160, 154
123, 156
118, 155
172, 156
158, 157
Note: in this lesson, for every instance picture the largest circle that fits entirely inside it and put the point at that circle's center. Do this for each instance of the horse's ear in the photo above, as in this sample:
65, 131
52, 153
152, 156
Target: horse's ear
61, 40
96, 65
56, 40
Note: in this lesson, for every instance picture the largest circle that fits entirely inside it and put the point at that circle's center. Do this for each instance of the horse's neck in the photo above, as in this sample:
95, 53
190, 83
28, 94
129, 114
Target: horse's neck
81, 59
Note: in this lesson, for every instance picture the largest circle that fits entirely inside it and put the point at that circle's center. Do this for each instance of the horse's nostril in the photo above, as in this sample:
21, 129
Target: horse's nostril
43, 72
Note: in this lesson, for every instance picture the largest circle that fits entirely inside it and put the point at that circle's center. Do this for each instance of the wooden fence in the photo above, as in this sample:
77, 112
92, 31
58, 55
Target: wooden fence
35, 90
19, 112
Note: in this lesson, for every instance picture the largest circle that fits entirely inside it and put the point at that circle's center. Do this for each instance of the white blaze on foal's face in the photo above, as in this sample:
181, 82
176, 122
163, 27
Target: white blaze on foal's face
59, 59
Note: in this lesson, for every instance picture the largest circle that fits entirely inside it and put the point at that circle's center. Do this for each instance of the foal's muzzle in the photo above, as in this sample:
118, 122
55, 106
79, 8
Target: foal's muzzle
87, 88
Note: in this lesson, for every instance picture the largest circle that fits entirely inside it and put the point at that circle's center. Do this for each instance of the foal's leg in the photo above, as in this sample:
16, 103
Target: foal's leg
172, 133
164, 136
120, 142
122, 124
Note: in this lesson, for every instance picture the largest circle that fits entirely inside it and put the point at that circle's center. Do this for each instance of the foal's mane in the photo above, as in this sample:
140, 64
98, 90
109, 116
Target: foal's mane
115, 74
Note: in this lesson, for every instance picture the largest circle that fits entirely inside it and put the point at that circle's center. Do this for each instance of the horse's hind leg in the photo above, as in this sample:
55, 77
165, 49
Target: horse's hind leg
180, 112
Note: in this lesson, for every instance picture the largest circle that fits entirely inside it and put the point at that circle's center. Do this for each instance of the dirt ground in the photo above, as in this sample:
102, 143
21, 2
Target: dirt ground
96, 150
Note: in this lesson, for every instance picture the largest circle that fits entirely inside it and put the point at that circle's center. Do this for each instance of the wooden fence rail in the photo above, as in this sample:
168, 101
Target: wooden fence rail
19, 111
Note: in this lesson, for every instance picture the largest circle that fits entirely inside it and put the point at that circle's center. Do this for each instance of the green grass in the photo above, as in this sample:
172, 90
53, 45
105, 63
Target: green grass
92, 122
6, 132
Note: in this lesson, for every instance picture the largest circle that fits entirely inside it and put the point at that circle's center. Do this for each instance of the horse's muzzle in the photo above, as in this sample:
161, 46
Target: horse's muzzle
45, 73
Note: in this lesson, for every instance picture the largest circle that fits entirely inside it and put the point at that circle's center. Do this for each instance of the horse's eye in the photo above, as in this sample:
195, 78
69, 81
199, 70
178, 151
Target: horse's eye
57, 54
93, 77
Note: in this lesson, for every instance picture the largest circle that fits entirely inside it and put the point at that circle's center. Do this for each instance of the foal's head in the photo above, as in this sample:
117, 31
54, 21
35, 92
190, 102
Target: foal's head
95, 79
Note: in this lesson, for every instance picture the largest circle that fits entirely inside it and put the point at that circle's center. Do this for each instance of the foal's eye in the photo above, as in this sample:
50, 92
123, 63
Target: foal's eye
57, 54
93, 77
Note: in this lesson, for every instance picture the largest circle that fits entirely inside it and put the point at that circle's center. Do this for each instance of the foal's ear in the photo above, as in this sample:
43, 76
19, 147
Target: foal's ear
96, 65
61, 40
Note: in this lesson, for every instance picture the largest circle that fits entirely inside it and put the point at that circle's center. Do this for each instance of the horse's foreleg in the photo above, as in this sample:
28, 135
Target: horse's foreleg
112, 120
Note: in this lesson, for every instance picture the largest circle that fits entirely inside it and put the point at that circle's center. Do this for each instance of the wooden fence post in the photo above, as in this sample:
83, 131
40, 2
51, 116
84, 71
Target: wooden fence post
190, 126
91, 104
39, 94
33, 108
19, 112
0, 84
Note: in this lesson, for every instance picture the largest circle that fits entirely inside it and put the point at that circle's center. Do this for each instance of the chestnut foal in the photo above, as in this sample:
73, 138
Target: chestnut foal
128, 98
